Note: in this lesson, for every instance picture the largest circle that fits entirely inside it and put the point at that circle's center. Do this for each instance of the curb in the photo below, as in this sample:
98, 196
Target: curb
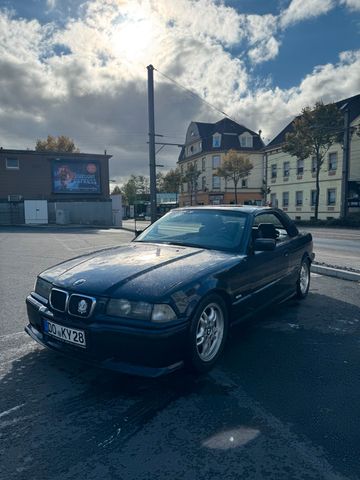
336, 272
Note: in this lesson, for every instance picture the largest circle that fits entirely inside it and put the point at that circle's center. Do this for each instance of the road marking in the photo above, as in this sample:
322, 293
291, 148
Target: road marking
7, 412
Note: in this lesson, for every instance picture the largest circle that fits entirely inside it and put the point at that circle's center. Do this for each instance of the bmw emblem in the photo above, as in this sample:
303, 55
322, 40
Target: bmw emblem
82, 307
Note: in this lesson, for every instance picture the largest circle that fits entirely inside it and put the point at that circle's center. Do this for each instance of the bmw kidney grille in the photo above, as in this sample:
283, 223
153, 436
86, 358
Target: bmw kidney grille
75, 304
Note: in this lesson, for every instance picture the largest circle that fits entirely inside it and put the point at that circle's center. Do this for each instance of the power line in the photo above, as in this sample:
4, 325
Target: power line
194, 94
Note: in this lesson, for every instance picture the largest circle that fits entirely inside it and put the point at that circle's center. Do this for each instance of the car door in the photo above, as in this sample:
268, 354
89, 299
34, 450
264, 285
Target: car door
264, 276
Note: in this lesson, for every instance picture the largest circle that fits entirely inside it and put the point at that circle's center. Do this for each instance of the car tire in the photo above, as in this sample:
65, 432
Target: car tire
208, 332
303, 281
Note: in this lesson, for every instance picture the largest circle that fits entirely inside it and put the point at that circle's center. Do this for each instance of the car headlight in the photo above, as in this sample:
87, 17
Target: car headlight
162, 313
125, 308
158, 313
42, 287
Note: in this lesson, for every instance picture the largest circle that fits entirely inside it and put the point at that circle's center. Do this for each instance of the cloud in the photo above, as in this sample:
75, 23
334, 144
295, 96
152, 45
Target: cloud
300, 10
87, 78
351, 4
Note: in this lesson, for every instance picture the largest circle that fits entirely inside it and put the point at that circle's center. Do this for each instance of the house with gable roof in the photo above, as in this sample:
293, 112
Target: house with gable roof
204, 150
292, 181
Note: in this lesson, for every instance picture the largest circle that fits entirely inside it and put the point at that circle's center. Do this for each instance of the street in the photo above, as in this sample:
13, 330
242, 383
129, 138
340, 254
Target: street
283, 402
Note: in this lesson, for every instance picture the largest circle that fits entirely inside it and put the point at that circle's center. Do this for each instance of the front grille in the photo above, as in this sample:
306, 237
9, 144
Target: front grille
81, 305
58, 299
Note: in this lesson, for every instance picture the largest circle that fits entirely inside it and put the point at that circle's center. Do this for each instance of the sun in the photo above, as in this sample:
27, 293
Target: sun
133, 39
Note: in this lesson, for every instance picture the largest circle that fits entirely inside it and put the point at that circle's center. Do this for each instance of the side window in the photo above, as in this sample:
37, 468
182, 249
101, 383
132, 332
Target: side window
282, 234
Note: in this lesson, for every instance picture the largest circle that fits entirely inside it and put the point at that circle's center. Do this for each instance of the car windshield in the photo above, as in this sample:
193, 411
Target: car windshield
213, 229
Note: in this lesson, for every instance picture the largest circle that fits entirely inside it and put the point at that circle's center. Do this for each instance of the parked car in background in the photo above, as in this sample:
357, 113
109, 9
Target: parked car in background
169, 297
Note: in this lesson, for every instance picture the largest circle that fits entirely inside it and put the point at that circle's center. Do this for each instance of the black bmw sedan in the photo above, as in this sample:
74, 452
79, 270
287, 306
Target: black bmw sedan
169, 297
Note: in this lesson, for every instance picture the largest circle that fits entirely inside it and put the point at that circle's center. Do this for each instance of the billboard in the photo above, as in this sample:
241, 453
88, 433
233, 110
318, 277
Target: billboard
71, 176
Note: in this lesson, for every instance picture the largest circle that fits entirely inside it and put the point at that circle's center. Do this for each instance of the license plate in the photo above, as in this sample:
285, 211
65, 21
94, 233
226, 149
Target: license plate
66, 334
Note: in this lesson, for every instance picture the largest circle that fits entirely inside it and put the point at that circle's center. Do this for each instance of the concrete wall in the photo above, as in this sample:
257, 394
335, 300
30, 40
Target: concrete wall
85, 213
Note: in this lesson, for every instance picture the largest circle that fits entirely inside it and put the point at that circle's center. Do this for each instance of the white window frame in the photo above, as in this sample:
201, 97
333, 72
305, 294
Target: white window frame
273, 171
212, 161
216, 142
286, 171
331, 163
328, 197
246, 140
218, 182
285, 195
299, 194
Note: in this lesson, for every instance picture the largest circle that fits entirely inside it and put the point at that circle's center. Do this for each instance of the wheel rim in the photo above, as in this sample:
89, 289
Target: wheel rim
209, 332
304, 278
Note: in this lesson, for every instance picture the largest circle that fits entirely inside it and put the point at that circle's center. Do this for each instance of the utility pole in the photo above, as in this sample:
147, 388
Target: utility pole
152, 163
345, 167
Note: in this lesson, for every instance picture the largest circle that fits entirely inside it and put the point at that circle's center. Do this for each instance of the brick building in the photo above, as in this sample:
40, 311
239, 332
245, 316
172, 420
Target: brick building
54, 187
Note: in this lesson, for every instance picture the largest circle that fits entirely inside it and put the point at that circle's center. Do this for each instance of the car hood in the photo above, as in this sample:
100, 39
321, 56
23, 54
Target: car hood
136, 268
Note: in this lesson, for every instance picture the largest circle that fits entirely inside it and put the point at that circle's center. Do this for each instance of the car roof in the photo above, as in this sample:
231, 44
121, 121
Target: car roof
250, 209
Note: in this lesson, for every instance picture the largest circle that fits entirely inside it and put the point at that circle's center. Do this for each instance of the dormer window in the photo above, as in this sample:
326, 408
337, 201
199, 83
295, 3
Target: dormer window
246, 140
216, 140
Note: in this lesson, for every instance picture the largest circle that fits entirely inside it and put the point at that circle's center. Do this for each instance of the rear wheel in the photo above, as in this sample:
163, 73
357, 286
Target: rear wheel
208, 333
303, 282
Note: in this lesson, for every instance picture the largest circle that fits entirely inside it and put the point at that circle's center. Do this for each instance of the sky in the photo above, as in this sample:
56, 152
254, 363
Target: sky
78, 68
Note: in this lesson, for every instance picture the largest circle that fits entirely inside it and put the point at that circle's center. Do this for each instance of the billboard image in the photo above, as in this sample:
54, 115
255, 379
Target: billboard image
70, 176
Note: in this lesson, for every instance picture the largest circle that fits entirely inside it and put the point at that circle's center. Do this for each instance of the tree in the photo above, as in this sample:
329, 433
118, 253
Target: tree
172, 181
191, 178
116, 190
128, 190
234, 167
314, 132
56, 144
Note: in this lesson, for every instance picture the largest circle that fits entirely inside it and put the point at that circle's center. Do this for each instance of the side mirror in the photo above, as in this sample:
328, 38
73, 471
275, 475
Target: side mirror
137, 233
264, 244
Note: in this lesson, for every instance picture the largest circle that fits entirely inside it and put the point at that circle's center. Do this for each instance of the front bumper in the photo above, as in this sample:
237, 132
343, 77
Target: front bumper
132, 350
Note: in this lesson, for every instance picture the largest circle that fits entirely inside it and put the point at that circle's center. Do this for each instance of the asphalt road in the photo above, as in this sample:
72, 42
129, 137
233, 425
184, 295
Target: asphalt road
282, 404
338, 247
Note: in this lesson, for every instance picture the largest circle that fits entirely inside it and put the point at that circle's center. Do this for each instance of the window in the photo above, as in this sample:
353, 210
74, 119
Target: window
281, 230
300, 167
246, 140
12, 164
332, 161
299, 199
203, 164
286, 169
216, 161
285, 199
273, 200
216, 182
244, 183
313, 198
273, 171
313, 164
216, 140
203, 184
331, 196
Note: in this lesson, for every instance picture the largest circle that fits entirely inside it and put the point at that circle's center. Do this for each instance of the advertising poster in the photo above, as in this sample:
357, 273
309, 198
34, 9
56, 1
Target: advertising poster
70, 176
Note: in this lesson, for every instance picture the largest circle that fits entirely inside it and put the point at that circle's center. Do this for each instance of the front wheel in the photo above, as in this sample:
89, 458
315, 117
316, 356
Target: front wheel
208, 333
303, 281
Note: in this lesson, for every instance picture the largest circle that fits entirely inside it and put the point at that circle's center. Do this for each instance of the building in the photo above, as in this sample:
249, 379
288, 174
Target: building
204, 150
292, 181
53, 187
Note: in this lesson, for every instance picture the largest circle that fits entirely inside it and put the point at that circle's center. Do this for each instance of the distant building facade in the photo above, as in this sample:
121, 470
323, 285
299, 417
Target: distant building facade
292, 181
54, 187
204, 149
